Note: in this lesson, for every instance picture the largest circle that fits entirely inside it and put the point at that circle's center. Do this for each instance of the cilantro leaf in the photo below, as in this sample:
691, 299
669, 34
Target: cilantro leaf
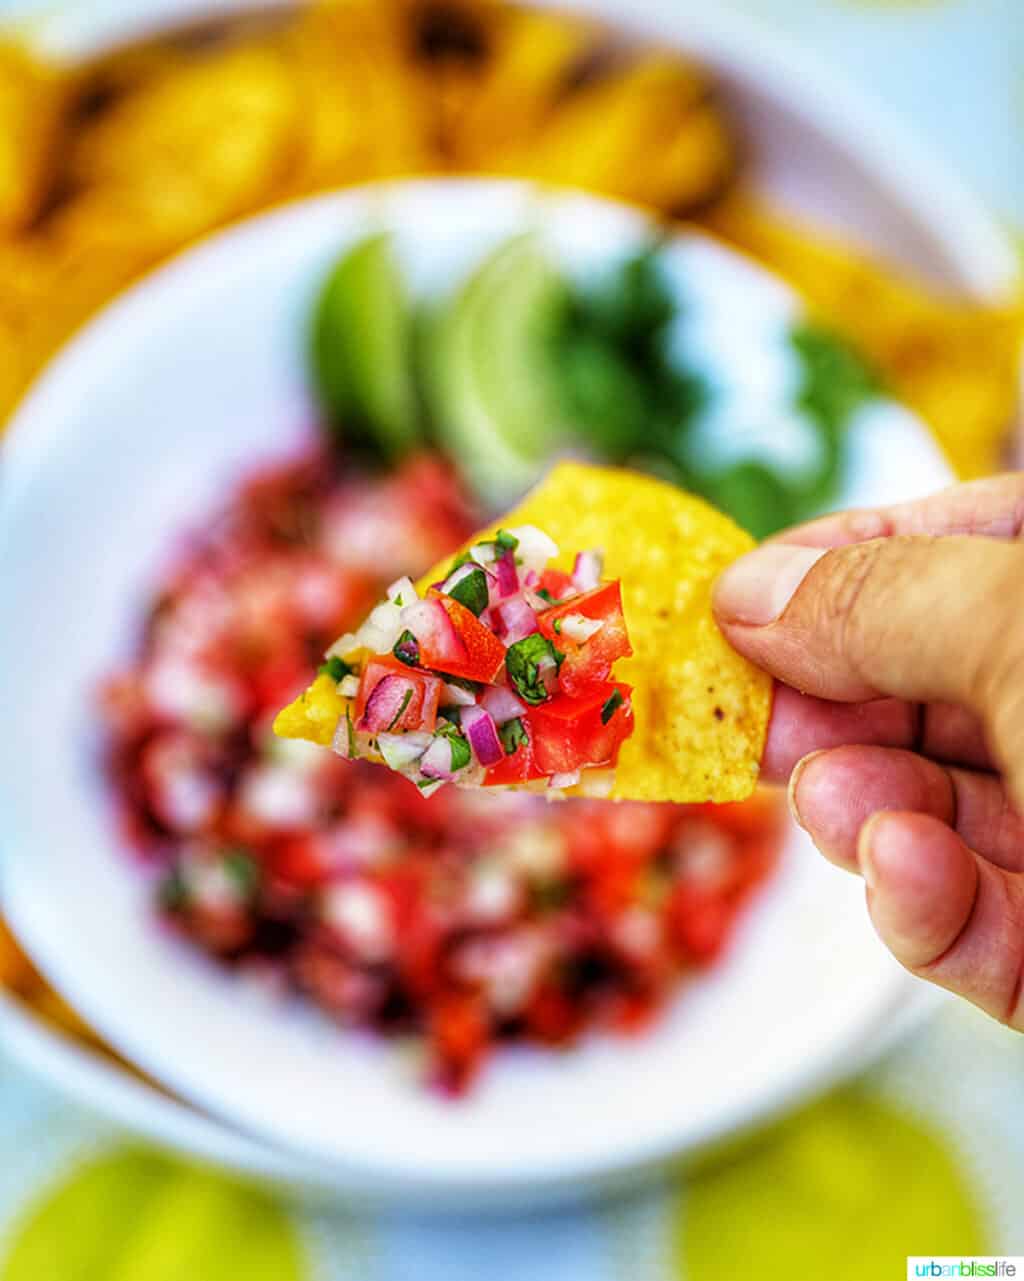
471, 591
513, 735
336, 668
406, 700
523, 664
505, 542
611, 706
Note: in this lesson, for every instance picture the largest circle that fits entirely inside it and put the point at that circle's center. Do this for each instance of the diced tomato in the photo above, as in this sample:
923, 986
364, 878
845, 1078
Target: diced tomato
590, 660
484, 652
298, 859
553, 1017
420, 713
699, 922
460, 1035
569, 733
557, 583
520, 767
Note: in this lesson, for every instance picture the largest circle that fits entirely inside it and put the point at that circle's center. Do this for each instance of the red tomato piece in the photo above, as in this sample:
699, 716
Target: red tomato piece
417, 712
569, 733
484, 652
591, 660
557, 583
520, 767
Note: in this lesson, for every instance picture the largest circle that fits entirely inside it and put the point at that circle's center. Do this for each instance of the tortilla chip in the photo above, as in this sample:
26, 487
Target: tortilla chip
953, 361
701, 710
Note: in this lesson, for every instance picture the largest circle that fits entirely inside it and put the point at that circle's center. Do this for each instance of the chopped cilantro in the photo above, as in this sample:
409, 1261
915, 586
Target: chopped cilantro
406, 700
505, 542
544, 594
522, 664
557, 626
611, 707
450, 730
173, 895
460, 751
407, 650
243, 870
336, 668
471, 591
398, 599
513, 735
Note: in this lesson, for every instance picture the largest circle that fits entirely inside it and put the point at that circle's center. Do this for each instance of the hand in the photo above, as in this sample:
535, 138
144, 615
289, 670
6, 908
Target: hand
903, 630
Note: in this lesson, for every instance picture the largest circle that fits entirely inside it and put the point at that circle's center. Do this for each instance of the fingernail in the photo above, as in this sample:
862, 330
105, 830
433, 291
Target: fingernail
866, 850
758, 587
794, 783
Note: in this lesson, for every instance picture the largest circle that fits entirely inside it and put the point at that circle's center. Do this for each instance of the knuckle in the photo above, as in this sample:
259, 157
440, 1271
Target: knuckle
853, 605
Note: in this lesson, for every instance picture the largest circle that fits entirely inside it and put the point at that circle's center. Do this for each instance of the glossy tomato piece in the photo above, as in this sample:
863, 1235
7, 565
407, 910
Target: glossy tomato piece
591, 660
519, 767
557, 583
484, 653
417, 712
570, 733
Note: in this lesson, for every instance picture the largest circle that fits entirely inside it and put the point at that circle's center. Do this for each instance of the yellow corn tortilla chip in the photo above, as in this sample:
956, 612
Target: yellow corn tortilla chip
701, 711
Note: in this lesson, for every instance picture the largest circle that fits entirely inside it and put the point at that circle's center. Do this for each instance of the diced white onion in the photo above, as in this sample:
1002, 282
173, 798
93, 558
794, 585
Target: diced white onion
535, 547
483, 553
348, 686
344, 645
456, 696
402, 750
405, 588
569, 779
578, 627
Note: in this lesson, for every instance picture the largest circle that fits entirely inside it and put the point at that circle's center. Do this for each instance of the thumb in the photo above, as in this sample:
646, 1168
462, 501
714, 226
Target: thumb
920, 619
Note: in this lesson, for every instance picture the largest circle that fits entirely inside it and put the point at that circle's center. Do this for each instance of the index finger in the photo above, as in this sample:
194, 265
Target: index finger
801, 724
990, 508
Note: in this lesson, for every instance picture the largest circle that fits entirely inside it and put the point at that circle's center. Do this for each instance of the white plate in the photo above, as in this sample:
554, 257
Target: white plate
133, 432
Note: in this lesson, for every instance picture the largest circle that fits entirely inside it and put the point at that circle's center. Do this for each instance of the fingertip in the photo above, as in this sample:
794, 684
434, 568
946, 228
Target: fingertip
922, 881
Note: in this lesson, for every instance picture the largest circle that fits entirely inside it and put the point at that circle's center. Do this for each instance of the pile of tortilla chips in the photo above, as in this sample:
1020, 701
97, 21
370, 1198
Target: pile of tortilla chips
109, 167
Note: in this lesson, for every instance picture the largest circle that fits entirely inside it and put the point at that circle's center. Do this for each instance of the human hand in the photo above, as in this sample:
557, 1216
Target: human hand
903, 631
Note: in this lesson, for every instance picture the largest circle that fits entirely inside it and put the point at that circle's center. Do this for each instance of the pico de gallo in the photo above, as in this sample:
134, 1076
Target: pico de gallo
458, 922
499, 675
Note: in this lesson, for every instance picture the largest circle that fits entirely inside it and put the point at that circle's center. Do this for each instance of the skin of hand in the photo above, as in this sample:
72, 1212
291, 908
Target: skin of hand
896, 638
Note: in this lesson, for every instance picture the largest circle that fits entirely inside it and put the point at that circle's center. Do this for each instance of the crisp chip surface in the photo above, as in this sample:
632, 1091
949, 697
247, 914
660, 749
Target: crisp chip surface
701, 710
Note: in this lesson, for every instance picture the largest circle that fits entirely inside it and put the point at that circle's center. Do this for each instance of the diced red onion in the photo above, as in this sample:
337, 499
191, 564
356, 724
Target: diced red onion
482, 733
385, 703
531, 579
506, 574
519, 619
436, 761
502, 704
586, 570
429, 623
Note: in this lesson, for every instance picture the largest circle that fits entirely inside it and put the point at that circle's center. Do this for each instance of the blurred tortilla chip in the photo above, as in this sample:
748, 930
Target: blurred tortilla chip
956, 363
701, 710
32, 99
